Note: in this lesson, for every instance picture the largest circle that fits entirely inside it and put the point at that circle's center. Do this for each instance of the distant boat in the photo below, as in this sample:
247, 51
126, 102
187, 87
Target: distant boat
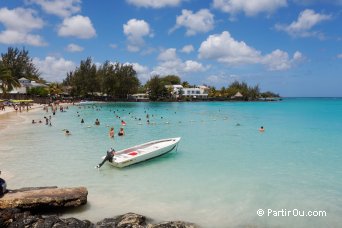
140, 153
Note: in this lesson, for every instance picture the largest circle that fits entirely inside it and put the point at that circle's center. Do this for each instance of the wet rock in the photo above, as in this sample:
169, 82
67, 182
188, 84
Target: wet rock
41, 198
129, 220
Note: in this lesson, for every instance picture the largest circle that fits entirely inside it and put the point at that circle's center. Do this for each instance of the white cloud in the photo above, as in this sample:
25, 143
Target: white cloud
311, 2
77, 26
16, 37
20, 19
74, 48
339, 56
219, 79
169, 63
188, 49
61, 8
54, 69
154, 3
225, 49
193, 66
249, 7
307, 19
168, 55
136, 30
279, 60
200, 22
18, 25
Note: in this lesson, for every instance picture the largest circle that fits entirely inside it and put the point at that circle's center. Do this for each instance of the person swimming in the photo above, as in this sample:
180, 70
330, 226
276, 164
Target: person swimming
261, 129
82, 121
97, 122
121, 132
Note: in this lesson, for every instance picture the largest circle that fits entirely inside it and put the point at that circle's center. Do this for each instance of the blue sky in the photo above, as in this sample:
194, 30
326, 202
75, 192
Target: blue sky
292, 47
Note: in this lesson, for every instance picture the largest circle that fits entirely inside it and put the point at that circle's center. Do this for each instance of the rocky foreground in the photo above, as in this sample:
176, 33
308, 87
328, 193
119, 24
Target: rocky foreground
13, 217
25, 208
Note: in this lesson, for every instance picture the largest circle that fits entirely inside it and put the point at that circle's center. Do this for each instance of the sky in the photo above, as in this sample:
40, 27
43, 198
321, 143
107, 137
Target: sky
291, 47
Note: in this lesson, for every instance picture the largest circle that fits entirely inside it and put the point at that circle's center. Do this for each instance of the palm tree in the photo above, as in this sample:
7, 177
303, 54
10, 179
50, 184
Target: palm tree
8, 82
55, 89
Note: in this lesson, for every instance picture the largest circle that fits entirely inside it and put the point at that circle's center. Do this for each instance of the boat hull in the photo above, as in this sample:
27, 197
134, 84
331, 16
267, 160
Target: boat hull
144, 152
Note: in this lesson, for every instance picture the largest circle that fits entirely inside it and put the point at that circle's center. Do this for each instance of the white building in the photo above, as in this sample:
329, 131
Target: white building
195, 92
25, 84
139, 97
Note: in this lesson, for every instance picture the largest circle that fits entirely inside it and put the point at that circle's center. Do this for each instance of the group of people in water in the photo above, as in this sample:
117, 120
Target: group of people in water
112, 132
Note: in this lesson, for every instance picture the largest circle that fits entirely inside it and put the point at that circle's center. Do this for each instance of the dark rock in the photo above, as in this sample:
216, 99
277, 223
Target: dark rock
173, 224
42, 198
129, 220
15, 218
7, 216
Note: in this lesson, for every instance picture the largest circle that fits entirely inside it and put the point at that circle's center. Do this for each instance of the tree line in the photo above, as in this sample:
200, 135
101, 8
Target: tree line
113, 80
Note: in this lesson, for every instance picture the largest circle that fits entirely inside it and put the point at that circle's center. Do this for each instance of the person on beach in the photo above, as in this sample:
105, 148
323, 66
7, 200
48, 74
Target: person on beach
261, 129
121, 132
33, 122
111, 132
97, 122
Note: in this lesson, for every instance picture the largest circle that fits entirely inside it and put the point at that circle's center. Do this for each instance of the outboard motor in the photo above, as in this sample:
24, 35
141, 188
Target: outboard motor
3, 186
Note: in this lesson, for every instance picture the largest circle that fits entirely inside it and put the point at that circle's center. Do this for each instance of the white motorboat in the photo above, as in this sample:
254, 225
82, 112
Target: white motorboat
140, 153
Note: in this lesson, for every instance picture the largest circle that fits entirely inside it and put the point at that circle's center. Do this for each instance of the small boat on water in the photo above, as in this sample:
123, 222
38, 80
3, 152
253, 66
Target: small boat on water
140, 153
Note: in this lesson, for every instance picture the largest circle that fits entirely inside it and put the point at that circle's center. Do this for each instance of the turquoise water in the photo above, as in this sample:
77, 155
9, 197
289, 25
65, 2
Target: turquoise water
220, 175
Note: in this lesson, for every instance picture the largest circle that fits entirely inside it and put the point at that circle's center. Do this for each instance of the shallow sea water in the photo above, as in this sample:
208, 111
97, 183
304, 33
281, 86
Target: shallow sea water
220, 175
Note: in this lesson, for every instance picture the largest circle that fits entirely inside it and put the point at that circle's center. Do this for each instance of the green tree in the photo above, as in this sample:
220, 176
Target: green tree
8, 82
39, 91
185, 84
171, 80
20, 64
156, 88
55, 89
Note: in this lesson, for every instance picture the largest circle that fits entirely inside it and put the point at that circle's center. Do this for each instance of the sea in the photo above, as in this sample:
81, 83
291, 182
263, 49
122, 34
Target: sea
224, 173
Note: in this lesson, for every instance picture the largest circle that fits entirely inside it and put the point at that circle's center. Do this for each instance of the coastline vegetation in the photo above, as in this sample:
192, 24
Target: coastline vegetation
110, 81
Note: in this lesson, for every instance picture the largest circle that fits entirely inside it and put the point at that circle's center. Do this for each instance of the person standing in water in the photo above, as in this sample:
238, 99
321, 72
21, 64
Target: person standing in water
121, 132
111, 132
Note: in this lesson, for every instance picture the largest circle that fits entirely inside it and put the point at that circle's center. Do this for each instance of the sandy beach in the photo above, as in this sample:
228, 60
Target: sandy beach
9, 109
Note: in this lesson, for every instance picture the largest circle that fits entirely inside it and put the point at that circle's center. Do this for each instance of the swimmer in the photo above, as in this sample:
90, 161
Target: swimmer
121, 132
261, 129
111, 132
97, 122
67, 132
82, 121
